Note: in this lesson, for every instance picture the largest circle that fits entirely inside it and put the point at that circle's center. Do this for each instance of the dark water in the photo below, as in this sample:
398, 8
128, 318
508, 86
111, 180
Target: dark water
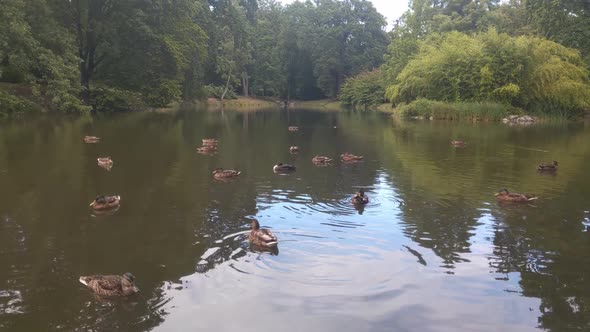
432, 251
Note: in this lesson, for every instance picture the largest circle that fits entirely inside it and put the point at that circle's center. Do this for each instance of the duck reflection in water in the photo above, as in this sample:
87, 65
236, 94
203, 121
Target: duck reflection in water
274, 251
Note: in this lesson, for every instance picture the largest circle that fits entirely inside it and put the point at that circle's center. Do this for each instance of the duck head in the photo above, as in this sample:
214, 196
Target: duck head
254, 225
128, 282
503, 192
98, 199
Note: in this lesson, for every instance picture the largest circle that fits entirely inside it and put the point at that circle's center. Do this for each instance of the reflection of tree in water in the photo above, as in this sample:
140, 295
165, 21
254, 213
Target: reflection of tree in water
551, 257
443, 229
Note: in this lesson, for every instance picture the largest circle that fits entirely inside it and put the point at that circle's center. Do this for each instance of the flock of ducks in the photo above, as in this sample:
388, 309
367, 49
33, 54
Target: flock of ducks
124, 285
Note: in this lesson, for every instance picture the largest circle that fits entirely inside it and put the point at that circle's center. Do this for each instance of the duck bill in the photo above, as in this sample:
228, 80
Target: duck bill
92, 203
497, 194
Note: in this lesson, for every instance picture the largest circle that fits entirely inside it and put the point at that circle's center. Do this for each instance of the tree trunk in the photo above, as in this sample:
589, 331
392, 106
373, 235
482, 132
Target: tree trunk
226, 85
245, 84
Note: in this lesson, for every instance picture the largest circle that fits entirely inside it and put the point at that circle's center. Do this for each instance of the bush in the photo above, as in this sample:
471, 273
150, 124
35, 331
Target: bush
365, 89
474, 111
11, 105
105, 99
529, 72
163, 93
214, 91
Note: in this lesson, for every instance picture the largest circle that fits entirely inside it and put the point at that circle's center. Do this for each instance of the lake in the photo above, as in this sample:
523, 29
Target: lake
432, 251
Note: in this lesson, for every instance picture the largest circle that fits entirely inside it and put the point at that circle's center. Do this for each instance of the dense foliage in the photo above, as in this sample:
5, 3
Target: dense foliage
83, 53
531, 54
363, 90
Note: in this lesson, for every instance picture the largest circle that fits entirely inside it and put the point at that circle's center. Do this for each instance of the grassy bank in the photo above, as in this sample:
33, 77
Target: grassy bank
242, 103
467, 111
323, 104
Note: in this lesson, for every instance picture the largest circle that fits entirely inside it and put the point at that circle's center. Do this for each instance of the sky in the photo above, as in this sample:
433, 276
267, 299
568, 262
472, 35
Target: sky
391, 9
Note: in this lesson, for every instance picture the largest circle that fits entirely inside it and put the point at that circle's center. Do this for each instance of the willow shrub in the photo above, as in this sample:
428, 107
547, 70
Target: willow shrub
363, 90
532, 73
472, 111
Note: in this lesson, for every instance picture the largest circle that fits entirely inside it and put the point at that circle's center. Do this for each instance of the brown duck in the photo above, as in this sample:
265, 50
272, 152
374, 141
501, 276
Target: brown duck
348, 157
207, 149
360, 198
548, 167
102, 202
221, 173
458, 143
111, 285
209, 141
505, 196
293, 128
105, 162
91, 139
261, 237
321, 160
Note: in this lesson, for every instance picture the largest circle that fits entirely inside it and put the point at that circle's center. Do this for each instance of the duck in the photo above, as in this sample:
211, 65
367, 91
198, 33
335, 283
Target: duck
102, 202
348, 157
207, 149
111, 285
293, 128
321, 160
294, 149
360, 198
505, 196
281, 168
221, 173
548, 167
105, 162
91, 139
261, 237
458, 143
209, 141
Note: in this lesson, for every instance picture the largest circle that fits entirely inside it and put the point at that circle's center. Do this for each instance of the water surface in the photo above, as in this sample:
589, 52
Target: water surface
432, 251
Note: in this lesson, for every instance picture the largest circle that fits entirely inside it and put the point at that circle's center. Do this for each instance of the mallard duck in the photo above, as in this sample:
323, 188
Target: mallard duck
504, 195
548, 167
102, 202
209, 141
350, 157
360, 198
458, 143
112, 285
282, 168
294, 149
91, 139
221, 173
321, 160
106, 161
293, 128
261, 237
207, 149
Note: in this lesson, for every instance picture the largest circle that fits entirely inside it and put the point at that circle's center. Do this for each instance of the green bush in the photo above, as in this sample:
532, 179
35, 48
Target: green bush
214, 91
11, 105
105, 99
528, 72
474, 111
162, 93
365, 89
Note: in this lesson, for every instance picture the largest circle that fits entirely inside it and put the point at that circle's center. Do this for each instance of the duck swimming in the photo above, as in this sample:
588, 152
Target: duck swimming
102, 202
321, 160
261, 237
458, 143
348, 157
505, 196
91, 139
360, 198
548, 167
105, 162
283, 168
111, 285
293, 128
294, 149
221, 173
207, 149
